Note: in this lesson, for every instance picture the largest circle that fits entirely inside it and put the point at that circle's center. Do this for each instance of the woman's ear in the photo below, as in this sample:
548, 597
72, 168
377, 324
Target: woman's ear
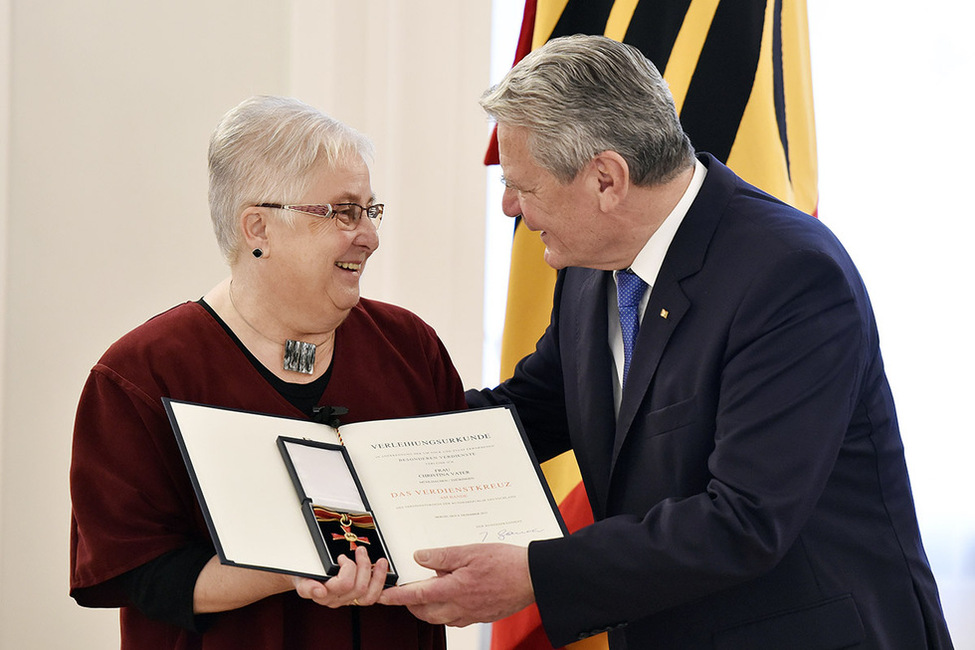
253, 224
612, 178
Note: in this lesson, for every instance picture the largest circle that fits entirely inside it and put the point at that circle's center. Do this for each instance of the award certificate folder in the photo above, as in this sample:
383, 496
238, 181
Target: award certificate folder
428, 481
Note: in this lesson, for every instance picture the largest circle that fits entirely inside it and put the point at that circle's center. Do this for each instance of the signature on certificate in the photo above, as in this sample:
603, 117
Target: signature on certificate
505, 534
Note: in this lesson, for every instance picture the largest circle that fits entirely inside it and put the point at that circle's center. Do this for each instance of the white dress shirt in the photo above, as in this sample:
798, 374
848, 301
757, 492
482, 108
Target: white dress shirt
647, 266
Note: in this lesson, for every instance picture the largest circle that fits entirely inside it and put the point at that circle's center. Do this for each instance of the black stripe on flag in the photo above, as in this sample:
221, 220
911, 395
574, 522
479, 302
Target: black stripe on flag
583, 17
723, 79
654, 27
778, 84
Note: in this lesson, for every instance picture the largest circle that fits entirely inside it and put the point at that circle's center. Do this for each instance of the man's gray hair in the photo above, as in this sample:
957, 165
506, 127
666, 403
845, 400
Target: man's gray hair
581, 95
266, 150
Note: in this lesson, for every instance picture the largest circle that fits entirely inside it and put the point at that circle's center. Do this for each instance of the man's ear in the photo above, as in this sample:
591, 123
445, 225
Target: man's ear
253, 224
611, 177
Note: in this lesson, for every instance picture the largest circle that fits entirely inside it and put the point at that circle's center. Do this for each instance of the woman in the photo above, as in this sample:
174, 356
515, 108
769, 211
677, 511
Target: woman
285, 334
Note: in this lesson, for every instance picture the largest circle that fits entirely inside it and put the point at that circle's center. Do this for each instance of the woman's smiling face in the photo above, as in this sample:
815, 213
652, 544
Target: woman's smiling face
319, 264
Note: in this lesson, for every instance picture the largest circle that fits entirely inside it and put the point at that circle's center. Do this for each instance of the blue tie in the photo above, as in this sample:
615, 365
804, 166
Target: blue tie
629, 292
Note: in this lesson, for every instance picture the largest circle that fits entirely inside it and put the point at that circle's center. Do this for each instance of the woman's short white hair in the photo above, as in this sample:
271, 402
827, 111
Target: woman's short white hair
581, 95
265, 150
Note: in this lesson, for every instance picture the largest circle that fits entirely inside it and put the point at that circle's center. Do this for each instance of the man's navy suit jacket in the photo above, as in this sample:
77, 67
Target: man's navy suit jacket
752, 492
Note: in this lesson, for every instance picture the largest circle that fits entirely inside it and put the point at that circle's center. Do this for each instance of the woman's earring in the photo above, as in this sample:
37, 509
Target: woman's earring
257, 252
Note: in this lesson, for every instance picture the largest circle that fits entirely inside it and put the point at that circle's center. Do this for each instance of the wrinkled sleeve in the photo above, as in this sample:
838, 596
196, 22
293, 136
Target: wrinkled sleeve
131, 499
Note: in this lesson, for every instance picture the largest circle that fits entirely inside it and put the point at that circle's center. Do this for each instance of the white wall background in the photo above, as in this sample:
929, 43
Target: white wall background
105, 111
892, 86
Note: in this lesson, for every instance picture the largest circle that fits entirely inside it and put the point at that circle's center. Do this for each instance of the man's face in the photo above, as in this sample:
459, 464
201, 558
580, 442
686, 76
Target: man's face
565, 214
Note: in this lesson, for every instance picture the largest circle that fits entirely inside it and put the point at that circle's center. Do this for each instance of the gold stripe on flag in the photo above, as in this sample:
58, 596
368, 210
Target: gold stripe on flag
547, 14
687, 48
619, 19
529, 303
758, 155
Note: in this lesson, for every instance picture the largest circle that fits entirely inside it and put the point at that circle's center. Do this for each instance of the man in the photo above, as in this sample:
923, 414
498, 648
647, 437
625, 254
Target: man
742, 456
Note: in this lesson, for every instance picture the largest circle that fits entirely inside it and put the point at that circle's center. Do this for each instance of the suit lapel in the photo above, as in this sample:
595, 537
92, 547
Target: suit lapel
666, 308
668, 303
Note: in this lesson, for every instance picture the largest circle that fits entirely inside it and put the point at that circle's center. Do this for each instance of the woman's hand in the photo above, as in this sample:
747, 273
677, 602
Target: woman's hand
220, 588
357, 583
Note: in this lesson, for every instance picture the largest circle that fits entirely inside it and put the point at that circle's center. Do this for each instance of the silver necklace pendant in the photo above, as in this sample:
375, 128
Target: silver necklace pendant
299, 356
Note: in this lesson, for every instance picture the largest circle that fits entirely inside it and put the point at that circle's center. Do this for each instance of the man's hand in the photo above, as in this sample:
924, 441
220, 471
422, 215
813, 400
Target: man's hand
474, 584
357, 583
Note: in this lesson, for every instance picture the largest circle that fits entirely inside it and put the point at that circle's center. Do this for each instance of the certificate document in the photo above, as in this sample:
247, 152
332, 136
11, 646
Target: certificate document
466, 477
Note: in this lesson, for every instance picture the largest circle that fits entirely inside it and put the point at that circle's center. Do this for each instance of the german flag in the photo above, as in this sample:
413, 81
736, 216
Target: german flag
740, 76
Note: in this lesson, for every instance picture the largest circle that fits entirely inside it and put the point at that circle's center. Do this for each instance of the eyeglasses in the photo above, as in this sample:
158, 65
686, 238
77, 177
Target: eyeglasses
347, 215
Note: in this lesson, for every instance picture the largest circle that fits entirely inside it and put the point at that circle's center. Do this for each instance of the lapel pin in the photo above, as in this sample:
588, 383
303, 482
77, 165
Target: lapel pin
664, 313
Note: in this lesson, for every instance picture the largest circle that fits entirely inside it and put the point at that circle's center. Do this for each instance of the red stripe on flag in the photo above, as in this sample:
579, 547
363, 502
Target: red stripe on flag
524, 47
523, 631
